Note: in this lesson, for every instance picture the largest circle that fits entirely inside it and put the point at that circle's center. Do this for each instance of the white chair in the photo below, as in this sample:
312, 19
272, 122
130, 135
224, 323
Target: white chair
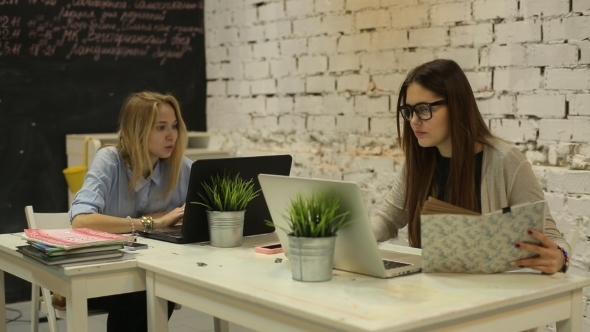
43, 303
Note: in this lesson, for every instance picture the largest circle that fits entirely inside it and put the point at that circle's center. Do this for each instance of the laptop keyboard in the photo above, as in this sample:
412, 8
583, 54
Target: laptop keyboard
393, 264
177, 233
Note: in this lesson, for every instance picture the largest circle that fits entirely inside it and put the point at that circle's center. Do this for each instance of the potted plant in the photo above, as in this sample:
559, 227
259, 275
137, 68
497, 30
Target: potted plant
226, 198
314, 221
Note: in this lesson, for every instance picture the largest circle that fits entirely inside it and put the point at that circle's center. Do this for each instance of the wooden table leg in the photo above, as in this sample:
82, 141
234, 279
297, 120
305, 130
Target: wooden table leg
77, 306
157, 308
574, 323
2, 304
220, 325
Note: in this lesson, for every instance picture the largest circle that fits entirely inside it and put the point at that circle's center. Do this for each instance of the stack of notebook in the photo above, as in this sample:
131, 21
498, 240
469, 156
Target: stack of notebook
62, 246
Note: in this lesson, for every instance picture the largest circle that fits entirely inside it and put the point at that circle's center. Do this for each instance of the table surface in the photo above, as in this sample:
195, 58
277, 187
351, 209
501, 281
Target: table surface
353, 300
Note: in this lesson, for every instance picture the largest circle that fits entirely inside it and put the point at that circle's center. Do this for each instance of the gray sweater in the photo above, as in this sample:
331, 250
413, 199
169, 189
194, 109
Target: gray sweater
507, 179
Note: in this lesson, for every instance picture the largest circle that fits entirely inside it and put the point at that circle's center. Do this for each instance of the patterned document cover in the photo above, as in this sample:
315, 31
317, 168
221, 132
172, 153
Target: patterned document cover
479, 244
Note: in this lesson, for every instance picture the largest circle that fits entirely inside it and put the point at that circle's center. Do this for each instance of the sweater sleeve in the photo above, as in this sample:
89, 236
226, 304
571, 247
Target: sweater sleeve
525, 188
391, 216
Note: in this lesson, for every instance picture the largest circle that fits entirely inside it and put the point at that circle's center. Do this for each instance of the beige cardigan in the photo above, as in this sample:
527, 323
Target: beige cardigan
507, 179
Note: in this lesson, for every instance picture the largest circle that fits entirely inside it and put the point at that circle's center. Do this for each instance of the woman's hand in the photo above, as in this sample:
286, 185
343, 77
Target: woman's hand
550, 259
169, 218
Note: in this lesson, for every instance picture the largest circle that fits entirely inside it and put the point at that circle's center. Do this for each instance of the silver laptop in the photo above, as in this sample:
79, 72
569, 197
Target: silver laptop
356, 247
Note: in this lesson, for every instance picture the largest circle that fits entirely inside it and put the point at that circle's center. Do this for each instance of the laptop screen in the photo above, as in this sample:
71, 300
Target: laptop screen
195, 215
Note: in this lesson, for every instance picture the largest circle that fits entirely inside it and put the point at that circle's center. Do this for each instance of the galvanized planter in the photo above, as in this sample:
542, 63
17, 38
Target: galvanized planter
312, 258
226, 229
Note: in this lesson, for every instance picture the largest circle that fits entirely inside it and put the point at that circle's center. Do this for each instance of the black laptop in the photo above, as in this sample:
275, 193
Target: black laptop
194, 227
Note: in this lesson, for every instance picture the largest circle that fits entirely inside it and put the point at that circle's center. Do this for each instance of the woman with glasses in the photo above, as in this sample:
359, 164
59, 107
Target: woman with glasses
452, 155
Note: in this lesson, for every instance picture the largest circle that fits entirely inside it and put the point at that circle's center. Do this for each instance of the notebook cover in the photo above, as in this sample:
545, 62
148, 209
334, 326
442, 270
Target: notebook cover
57, 251
479, 244
70, 238
37, 255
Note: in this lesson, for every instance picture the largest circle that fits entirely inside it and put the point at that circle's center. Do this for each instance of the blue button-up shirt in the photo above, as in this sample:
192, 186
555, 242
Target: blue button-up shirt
105, 189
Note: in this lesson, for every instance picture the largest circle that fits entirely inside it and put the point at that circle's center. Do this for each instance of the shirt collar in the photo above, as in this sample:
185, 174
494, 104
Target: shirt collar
156, 177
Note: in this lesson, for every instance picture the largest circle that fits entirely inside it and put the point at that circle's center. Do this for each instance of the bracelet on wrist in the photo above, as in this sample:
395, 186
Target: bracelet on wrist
148, 223
132, 225
566, 262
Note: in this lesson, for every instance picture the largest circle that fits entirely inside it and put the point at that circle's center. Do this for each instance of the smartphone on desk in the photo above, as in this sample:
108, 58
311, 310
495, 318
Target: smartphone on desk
269, 249
135, 246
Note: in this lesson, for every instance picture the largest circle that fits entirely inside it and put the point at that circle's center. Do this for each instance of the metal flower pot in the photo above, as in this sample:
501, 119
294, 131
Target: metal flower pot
226, 229
312, 258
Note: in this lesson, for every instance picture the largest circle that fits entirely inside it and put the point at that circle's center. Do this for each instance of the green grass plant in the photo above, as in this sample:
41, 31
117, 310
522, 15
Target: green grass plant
315, 215
227, 193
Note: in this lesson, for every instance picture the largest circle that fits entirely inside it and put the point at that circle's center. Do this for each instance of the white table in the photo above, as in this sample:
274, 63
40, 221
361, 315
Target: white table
253, 290
80, 282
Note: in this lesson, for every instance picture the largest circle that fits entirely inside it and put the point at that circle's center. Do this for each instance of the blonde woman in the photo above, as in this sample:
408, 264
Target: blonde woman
139, 183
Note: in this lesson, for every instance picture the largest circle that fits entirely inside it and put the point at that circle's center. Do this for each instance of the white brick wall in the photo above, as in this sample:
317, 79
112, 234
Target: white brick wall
518, 32
354, 43
554, 55
490, 9
429, 37
335, 104
517, 79
511, 55
352, 124
309, 105
344, 62
579, 104
323, 45
543, 106
313, 64
320, 84
271, 11
570, 28
372, 19
472, 34
567, 79
354, 83
467, 58
513, 130
387, 40
544, 7
322, 6
320, 79
450, 13
415, 16
497, 106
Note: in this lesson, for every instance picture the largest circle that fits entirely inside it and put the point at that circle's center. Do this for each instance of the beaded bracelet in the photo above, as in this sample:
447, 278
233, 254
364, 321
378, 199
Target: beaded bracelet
132, 225
566, 263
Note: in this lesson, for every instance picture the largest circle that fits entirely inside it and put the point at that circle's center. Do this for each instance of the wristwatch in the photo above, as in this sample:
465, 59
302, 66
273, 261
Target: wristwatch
148, 223
566, 262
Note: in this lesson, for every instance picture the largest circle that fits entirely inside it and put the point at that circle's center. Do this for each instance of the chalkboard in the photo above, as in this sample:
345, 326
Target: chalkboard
66, 66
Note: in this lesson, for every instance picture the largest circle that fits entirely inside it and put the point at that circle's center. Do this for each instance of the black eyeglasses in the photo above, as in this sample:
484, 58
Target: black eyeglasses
423, 110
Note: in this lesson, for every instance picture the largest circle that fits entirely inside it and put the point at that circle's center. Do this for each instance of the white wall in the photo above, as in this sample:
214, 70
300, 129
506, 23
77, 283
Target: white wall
318, 79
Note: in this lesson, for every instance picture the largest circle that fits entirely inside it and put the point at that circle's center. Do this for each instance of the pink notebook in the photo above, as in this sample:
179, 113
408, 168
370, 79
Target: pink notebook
70, 238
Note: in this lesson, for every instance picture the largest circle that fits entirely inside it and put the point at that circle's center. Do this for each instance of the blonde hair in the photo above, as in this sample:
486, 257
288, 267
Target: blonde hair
138, 115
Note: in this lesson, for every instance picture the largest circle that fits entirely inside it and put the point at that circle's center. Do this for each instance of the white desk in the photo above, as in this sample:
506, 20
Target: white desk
253, 290
78, 283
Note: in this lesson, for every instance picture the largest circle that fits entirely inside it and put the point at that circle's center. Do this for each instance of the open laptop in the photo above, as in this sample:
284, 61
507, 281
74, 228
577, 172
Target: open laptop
356, 247
194, 227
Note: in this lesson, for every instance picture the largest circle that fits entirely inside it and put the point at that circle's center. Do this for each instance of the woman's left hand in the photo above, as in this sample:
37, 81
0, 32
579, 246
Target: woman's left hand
550, 259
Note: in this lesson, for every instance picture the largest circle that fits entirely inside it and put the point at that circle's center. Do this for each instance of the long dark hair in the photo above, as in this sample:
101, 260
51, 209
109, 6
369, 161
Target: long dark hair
466, 126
